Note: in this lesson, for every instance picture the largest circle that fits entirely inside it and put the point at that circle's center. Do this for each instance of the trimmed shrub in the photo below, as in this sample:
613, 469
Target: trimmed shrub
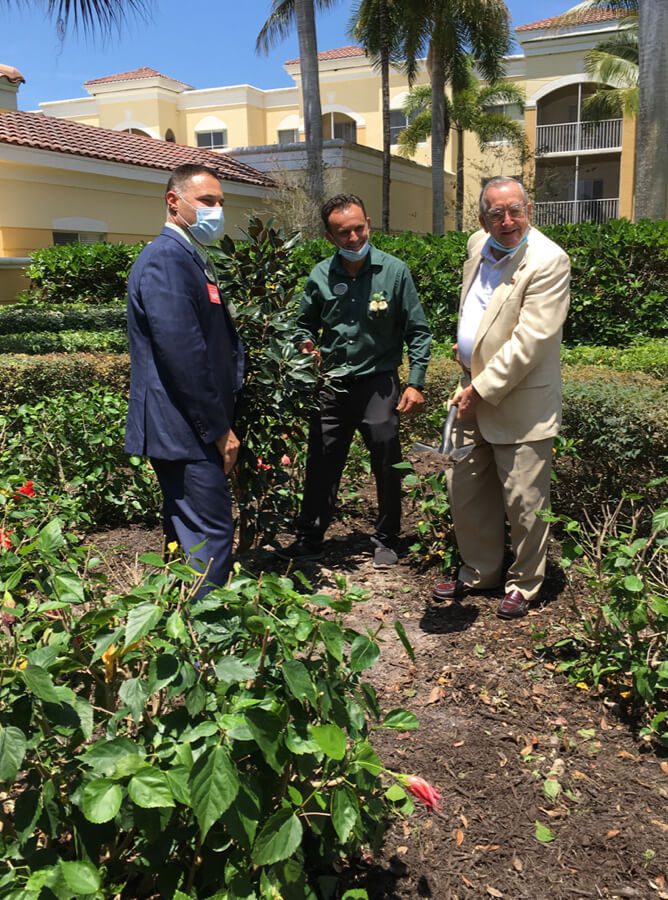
40, 342
22, 317
80, 273
650, 357
29, 379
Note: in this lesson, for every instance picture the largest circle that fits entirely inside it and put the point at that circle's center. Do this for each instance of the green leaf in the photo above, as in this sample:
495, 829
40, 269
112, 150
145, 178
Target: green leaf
178, 778
345, 812
214, 784
267, 730
280, 837
551, 788
100, 800
403, 637
38, 681
81, 877
363, 653
141, 619
150, 789
634, 584
134, 694
51, 537
233, 670
332, 637
152, 559
12, 751
355, 894
395, 793
331, 739
104, 756
401, 719
69, 588
176, 628
543, 833
298, 680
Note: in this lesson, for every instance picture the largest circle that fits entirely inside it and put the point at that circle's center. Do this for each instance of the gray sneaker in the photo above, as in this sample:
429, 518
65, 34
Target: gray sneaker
384, 557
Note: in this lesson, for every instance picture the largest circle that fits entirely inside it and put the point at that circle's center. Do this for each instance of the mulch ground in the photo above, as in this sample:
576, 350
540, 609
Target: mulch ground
499, 726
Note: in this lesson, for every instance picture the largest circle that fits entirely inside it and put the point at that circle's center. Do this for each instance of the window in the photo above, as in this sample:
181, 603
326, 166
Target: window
398, 121
212, 140
78, 237
137, 131
288, 136
345, 131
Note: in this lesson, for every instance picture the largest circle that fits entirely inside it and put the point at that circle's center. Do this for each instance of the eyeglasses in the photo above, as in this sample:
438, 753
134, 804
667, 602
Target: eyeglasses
516, 211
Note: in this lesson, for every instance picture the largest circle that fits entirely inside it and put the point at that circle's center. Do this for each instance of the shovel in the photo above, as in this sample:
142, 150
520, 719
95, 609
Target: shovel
452, 455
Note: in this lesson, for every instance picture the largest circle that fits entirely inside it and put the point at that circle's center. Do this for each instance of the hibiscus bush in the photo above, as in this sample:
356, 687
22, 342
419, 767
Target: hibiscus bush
154, 745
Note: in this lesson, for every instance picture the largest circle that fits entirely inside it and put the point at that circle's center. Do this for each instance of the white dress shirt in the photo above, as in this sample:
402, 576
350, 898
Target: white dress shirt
488, 277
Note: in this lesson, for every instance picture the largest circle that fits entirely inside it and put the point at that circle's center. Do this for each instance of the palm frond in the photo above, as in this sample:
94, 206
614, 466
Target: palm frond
87, 15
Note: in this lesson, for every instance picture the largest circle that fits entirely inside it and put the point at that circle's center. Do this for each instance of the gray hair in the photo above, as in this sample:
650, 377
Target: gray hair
495, 182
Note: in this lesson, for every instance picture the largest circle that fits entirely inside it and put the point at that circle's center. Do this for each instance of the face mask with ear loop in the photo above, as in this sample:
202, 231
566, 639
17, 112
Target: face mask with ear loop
209, 226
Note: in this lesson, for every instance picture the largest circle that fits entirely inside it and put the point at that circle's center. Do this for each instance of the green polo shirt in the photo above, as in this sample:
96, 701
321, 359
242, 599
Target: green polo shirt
360, 324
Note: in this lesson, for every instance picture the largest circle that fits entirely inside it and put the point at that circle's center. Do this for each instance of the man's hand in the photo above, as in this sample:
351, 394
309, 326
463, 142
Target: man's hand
228, 447
310, 347
411, 400
466, 400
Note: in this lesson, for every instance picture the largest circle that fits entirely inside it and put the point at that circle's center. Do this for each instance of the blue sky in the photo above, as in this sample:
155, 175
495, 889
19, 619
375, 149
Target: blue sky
202, 43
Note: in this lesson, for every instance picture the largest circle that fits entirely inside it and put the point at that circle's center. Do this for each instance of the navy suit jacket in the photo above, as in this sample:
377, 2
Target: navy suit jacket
186, 357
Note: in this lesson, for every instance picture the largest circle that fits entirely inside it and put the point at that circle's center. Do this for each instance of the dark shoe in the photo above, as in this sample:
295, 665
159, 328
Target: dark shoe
300, 550
451, 590
513, 606
384, 557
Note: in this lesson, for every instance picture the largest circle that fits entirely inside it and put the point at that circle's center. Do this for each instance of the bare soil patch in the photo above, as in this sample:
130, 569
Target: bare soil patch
498, 722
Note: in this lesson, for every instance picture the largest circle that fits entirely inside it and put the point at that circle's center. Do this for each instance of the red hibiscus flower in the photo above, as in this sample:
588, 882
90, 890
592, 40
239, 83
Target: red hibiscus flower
424, 792
5, 540
262, 466
285, 460
27, 489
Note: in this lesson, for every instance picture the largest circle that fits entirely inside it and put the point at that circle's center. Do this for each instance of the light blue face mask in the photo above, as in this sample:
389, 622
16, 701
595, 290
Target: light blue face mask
209, 226
503, 249
355, 255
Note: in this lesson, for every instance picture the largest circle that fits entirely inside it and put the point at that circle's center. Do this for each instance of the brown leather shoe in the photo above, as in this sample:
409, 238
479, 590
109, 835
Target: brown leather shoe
451, 590
513, 606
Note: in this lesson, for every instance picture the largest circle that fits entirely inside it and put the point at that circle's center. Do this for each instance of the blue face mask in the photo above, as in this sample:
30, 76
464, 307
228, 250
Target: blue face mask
503, 249
209, 226
355, 255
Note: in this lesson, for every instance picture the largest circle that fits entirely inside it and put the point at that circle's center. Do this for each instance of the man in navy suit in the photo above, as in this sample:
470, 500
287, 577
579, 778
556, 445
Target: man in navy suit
186, 372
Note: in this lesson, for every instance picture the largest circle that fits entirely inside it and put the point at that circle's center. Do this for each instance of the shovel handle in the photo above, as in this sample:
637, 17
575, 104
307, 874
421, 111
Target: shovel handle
446, 438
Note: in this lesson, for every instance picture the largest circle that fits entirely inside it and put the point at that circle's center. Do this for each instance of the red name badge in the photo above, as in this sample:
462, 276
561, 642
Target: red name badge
214, 296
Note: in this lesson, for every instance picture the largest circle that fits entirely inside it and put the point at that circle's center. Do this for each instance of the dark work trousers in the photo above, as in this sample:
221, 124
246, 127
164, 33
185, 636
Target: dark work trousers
367, 405
197, 510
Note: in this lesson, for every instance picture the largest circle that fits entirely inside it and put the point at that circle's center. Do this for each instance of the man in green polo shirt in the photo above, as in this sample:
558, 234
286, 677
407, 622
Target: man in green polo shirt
359, 308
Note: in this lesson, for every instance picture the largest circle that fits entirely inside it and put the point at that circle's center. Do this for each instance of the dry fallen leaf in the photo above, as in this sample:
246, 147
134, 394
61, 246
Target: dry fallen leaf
458, 744
660, 824
464, 820
664, 768
518, 865
459, 837
492, 891
624, 754
487, 847
613, 833
402, 851
467, 882
437, 693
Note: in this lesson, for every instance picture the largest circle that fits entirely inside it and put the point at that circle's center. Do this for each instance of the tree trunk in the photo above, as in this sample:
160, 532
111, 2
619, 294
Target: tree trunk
385, 90
651, 195
308, 59
438, 138
459, 200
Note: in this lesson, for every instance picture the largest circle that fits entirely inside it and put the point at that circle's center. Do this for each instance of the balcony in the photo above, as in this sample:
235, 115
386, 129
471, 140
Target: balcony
569, 212
575, 137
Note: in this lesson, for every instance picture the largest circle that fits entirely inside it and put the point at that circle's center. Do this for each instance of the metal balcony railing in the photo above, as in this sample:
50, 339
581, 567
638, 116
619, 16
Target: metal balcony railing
572, 137
569, 212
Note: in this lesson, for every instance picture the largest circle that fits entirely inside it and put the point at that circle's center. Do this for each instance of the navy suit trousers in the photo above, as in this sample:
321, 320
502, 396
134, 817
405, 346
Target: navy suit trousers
197, 510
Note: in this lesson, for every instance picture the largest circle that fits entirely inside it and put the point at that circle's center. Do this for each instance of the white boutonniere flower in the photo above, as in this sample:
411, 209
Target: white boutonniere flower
378, 302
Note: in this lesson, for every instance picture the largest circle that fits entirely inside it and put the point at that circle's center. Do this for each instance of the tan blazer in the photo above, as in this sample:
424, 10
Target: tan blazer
515, 365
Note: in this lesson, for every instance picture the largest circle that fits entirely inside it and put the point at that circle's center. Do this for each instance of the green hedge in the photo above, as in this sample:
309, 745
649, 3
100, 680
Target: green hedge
28, 379
80, 273
40, 342
22, 317
619, 286
650, 357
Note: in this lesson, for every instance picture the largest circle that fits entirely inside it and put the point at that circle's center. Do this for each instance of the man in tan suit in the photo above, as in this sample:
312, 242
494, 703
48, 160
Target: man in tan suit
514, 300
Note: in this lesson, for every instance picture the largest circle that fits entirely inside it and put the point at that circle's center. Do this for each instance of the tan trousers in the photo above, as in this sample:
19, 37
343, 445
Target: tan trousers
495, 482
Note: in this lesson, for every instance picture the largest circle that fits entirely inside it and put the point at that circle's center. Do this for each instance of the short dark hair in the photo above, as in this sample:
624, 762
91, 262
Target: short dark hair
340, 201
183, 174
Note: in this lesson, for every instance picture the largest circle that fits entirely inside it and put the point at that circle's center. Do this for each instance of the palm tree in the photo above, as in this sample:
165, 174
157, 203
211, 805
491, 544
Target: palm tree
87, 15
448, 30
376, 24
284, 15
651, 162
614, 62
470, 109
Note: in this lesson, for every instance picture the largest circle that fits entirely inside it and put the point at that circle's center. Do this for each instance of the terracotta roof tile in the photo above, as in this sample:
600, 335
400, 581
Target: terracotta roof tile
584, 18
337, 53
11, 74
26, 129
134, 75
